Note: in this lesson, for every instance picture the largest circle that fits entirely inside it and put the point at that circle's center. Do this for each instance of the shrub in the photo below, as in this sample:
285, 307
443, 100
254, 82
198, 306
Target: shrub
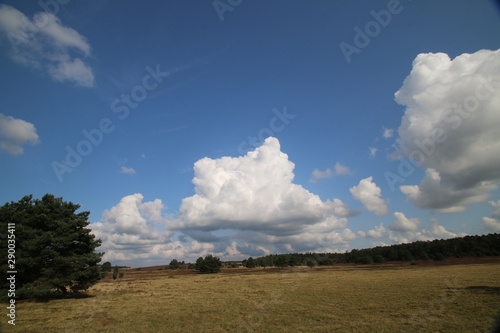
364, 260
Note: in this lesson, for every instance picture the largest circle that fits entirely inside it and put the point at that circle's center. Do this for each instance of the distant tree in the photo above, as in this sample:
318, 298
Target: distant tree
115, 272
439, 257
106, 267
250, 263
366, 260
55, 251
199, 263
209, 264
310, 262
174, 264
282, 261
294, 260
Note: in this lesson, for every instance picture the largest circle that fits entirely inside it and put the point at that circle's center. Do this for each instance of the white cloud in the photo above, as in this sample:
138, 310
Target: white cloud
373, 151
127, 170
14, 133
338, 169
402, 223
377, 232
255, 196
450, 127
243, 206
493, 223
369, 194
387, 133
404, 230
135, 230
72, 70
44, 43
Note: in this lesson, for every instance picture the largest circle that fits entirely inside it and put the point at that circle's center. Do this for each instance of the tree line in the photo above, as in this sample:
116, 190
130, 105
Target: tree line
478, 246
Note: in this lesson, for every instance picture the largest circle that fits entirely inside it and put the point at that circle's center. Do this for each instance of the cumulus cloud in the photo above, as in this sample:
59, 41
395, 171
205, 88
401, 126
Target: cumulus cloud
493, 223
402, 223
377, 232
373, 151
370, 196
404, 230
243, 206
44, 43
127, 170
254, 195
450, 128
136, 232
14, 133
128, 230
338, 169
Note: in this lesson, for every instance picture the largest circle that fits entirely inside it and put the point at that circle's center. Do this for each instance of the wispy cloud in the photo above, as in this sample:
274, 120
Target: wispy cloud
338, 169
126, 170
387, 132
45, 44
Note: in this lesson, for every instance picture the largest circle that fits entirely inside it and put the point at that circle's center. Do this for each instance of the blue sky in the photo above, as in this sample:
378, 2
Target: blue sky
159, 86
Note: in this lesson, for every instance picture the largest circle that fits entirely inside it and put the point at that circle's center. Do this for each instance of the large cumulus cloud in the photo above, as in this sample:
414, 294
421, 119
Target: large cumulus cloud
450, 128
255, 193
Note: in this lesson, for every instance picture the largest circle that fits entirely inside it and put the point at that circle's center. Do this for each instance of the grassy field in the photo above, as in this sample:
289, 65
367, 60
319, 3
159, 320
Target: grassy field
458, 298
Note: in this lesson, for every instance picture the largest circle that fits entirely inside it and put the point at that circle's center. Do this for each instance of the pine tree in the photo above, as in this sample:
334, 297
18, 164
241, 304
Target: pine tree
55, 251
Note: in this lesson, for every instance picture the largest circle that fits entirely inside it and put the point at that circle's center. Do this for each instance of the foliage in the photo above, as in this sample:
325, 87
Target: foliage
106, 267
440, 249
115, 272
209, 264
250, 263
174, 264
54, 247
282, 261
310, 262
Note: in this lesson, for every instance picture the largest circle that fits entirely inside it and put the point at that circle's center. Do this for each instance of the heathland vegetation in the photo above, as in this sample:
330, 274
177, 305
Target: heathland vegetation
389, 297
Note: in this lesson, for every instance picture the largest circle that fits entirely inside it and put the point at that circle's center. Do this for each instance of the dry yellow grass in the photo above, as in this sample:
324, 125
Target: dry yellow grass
462, 298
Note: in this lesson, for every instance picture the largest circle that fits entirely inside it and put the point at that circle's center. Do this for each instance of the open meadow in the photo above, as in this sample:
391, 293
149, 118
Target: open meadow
341, 298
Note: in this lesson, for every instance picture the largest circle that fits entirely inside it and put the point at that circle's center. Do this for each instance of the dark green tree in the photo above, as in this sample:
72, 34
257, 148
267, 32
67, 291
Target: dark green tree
55, 251
174, 264
282, 261
115, 272
310, 262
209, 264
250, 263
106, 267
